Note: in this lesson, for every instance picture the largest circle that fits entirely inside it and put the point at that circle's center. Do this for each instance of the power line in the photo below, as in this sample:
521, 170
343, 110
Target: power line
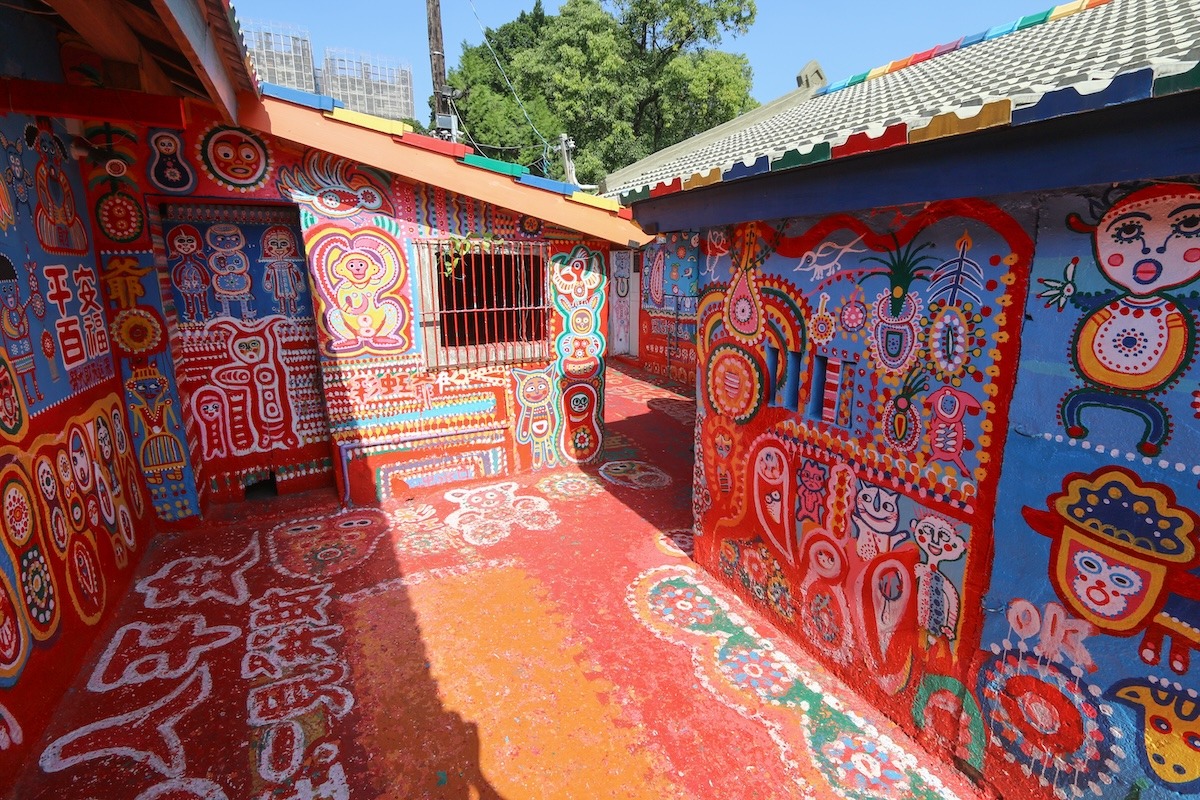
546, 145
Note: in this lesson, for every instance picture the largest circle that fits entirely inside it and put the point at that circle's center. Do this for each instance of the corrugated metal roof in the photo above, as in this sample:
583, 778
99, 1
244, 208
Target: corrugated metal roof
1073, 58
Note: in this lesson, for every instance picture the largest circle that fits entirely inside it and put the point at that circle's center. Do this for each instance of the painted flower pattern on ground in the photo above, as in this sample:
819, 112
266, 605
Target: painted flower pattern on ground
635, 474
682, 605
756, 670
865, 766
570, 486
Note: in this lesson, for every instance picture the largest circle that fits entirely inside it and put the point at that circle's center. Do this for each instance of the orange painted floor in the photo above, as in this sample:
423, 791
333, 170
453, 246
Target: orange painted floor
543, 637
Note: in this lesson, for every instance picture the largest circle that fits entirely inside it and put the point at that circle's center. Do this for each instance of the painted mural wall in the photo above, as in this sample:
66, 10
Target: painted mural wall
672, 266
993, 515
74, 516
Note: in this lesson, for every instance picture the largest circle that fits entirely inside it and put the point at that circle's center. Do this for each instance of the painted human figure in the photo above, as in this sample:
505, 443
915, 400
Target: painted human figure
161, 453
937, 597
14, 324
59, 228
1139, 339
876, 519
18, 178
189, 274
810, 491
208, 406
282, 278
230, 268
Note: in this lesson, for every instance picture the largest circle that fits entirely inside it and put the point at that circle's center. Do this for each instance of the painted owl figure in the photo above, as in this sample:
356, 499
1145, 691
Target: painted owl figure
487, 514
319, 548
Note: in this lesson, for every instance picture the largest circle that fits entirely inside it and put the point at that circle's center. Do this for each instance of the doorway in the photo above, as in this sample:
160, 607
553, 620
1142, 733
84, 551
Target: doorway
246, 348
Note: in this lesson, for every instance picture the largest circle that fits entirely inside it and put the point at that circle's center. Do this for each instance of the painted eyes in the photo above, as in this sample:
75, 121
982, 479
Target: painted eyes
1130, 230
1121, 581
247, 153
1186, 226
1088, 564
362, 522
1192, 740
225, 152
773, 497
1160, 724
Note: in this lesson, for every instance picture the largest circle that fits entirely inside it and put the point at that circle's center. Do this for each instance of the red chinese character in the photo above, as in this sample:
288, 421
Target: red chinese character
70, 342
59, 292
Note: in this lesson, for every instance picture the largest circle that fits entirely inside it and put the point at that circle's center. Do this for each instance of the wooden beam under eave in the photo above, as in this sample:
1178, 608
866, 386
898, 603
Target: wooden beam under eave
103, 27
310, 127
87, 102
189, 27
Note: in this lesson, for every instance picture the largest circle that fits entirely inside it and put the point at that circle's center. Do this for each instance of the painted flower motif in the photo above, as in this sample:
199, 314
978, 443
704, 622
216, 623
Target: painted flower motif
728, 556
682, 605
423, 542
753, 669
569, 487
755, 566
36, 586
780, 595
863, 765
420, 517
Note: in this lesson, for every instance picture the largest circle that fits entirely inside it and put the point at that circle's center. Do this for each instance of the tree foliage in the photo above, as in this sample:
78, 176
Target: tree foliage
623, 78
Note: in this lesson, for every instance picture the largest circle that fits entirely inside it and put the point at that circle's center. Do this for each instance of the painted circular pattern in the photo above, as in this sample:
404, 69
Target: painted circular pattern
853, 315
634, 474
120, 217
680, 604
1045, 716
948, 341
235, 158
137, 331
14, 636
85, 581
862, 767
735, 384
58, 529
18, 510
753, 669
570, 486
37, 589
12, 414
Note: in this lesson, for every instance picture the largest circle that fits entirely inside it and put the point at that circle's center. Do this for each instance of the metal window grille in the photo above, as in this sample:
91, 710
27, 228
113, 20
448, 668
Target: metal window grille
483, 303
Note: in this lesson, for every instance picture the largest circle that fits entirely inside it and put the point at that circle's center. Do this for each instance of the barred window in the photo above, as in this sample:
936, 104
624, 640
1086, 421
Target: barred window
483, 302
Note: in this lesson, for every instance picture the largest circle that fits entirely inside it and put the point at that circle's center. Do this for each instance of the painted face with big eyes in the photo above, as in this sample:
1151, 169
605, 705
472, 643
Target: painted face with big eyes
877, 508
226, 237
535, 389
1150, 241
278, 242
184, 240
165, 144
937, 539
237, 156
1102, 587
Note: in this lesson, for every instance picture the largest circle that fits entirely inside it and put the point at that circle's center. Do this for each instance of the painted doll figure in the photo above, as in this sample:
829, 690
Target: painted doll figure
937, 597
15, 326
59, 228
1138, 340
230, 268
282, 278
876, 519
168, 170
190, 276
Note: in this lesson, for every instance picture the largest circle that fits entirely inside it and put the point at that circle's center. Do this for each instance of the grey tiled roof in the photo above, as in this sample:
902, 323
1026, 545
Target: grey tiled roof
1084, 47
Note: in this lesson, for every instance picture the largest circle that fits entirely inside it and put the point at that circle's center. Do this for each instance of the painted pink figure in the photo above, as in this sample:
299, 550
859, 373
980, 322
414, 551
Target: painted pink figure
282, 278
189, 275
947, 432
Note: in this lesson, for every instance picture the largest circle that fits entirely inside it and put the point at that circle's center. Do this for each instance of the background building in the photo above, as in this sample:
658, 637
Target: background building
372, 84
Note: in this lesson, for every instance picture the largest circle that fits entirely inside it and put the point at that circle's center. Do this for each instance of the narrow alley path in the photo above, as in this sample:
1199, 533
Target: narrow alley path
542, 637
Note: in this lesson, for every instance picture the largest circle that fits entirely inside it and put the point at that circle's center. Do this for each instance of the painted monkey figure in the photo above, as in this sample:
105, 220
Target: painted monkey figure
1137, 339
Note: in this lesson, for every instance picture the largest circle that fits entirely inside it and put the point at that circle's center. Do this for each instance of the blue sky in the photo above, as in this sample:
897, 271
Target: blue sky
845, 36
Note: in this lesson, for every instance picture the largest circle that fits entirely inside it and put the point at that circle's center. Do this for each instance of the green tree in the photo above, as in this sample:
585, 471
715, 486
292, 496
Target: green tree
624, 78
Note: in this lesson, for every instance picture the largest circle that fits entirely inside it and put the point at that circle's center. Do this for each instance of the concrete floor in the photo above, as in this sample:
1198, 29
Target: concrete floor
544, 637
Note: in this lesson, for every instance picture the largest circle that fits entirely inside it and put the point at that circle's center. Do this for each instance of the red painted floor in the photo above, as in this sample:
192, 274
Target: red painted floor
544, 637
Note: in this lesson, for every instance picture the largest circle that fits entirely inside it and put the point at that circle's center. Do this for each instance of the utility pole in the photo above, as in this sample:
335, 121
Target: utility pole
442, 116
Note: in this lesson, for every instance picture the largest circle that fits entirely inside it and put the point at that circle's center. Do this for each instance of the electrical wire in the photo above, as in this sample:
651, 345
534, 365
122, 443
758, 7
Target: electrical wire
546, 148
497, 147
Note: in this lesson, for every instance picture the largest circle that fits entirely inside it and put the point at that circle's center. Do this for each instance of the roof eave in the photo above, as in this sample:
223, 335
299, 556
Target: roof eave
312, 128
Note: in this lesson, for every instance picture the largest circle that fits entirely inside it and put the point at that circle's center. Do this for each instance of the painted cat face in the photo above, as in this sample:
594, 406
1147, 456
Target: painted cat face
1103, 587
534, 389
1170, 723
938, 539
877, 508
812, 476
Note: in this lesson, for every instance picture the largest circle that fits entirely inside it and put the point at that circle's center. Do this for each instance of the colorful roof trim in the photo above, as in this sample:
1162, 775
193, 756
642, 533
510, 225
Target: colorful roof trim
318, 121
1041, 66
